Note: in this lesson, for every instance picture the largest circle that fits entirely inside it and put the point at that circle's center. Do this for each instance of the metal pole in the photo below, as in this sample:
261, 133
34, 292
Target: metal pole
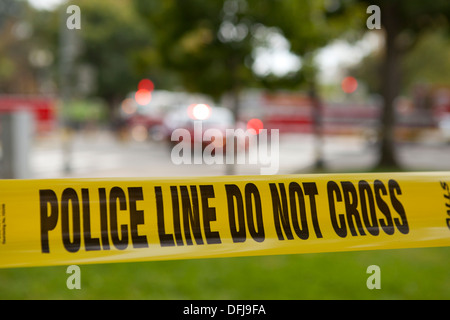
68, 50
17, 132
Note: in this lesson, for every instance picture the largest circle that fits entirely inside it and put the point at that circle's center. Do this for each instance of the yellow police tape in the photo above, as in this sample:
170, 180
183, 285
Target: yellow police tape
78, 221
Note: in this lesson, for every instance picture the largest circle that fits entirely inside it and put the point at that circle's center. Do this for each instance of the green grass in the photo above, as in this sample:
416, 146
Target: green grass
405, 274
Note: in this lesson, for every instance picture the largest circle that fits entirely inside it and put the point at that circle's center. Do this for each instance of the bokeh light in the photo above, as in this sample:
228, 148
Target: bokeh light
146, 84
143, 97
199, 111
349, 84
139, 133
256, 125
128, 106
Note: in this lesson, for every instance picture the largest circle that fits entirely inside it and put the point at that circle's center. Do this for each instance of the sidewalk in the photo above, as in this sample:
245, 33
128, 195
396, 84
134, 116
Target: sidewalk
103, 155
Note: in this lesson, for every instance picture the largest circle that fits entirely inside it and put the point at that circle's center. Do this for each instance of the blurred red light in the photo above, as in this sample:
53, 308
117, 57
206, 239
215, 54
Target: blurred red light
143, 97
146, 84
255, 124
349, 84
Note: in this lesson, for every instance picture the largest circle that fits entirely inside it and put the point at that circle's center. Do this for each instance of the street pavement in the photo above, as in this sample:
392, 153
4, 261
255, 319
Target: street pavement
103, 155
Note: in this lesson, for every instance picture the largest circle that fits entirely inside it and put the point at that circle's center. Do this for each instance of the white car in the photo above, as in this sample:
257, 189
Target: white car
210, 117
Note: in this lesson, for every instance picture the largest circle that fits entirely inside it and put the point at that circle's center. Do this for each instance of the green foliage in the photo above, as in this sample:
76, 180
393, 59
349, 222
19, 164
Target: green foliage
210, 45
426, 63
111, 34
190, 37
405, 274
24, 31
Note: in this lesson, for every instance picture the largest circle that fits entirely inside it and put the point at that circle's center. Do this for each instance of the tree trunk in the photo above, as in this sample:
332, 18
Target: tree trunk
230, 168
235, 93
317, 117
390, 86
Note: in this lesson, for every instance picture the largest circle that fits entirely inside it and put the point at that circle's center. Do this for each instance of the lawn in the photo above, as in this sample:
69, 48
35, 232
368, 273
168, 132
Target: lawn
405, 274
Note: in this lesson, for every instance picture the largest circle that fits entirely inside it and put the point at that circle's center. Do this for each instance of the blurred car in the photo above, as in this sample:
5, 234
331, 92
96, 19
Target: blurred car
142, 113
143, 121
197, 117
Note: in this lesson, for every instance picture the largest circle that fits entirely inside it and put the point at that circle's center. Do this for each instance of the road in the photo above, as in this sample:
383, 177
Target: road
103, 155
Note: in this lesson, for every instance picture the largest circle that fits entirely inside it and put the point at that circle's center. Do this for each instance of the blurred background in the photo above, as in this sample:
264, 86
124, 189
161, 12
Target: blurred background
102, 100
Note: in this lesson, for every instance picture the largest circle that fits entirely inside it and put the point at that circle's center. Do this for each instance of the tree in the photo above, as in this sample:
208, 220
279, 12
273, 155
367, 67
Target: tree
426, 63
403, 23
206, 44
25, 52
110, 38
210, 44
305, 24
